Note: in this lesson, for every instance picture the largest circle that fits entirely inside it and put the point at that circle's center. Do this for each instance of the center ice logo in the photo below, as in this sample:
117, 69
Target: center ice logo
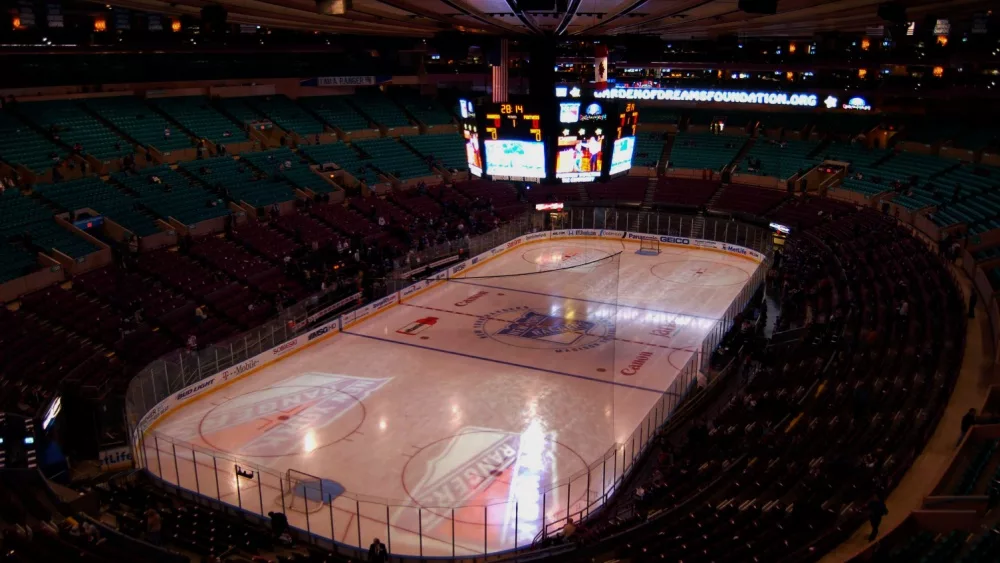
524, 327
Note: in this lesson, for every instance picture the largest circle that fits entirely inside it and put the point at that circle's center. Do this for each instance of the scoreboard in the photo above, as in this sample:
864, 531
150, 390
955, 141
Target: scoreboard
624, 144
549, 140
514, 144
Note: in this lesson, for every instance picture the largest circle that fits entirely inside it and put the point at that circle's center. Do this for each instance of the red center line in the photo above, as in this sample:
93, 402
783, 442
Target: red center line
684, 349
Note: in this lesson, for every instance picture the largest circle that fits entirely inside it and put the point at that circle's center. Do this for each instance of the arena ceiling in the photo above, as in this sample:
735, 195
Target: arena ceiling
669, 19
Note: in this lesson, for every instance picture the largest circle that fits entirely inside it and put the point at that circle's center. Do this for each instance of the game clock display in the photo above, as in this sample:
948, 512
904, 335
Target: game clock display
569, 140
514, 146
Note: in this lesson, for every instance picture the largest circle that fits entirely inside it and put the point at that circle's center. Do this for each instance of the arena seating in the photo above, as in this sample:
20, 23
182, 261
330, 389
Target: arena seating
627, 189
705, 151
541, 193
24, 220
837, 416
448, 148
344, 156
426, 109
20, 144
685, 191
503, 197
967, 194
224, 174
297, 174
75, 126
653, 114
134, 118
748, 199
173, 195
92, 192
379, 108
393, 158
196, 114
801, 212
648, 148
781, 159
336, 112
286, 114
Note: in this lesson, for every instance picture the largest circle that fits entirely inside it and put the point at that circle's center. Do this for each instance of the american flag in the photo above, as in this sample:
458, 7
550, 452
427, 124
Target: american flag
500, 75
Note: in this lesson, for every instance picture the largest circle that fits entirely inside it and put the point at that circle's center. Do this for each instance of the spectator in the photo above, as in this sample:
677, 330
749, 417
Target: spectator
377, 552
876, 510
153, 526
166, 133
568, 530
199, 314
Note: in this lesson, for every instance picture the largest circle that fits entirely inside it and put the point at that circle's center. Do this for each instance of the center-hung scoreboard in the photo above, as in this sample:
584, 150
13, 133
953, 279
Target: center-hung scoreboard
551, 141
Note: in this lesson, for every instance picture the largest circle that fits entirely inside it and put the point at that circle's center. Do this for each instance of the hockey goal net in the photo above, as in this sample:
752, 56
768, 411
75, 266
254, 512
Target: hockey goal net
306, 493
649, 247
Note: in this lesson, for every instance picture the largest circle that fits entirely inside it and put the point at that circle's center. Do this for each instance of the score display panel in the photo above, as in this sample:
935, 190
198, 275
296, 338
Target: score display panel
623, 147
470, 135
513, 142
558, 140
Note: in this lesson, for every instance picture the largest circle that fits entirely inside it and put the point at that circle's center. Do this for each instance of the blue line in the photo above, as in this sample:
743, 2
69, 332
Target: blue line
584, 300
512, 364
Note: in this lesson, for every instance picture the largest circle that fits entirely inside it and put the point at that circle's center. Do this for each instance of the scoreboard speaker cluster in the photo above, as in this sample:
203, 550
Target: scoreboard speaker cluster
561, 140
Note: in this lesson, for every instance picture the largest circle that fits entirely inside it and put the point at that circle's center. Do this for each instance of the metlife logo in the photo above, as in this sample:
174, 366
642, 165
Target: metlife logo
580, 233
736, 249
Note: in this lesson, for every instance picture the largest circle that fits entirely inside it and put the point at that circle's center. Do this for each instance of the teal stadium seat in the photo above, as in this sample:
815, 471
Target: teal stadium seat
426, 109
284, 113
299, 175
23, 214
393, 158
138, 121
782, 161
196, 114
225, 173
336, 112
375, 105
75, 125
449, 148
705, 151
345, 157
22, 145
94, 193
173, 196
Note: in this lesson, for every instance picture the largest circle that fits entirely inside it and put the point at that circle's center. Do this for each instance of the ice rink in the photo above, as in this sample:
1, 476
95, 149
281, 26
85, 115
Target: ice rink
459, 407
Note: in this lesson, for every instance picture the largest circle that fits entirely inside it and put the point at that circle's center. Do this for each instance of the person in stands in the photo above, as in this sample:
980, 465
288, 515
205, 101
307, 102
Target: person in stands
377, 552
876, 510
153, 527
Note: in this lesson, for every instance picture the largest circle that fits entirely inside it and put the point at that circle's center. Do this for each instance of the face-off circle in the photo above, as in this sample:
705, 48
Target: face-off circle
541, 329
703, 273
281, 420
564, 256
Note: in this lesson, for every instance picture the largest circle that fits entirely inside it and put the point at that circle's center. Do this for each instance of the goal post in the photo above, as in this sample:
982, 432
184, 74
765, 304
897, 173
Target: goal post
649, 247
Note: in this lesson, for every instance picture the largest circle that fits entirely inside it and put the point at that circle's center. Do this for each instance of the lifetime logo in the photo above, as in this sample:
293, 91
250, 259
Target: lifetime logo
468, 300
639, 361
